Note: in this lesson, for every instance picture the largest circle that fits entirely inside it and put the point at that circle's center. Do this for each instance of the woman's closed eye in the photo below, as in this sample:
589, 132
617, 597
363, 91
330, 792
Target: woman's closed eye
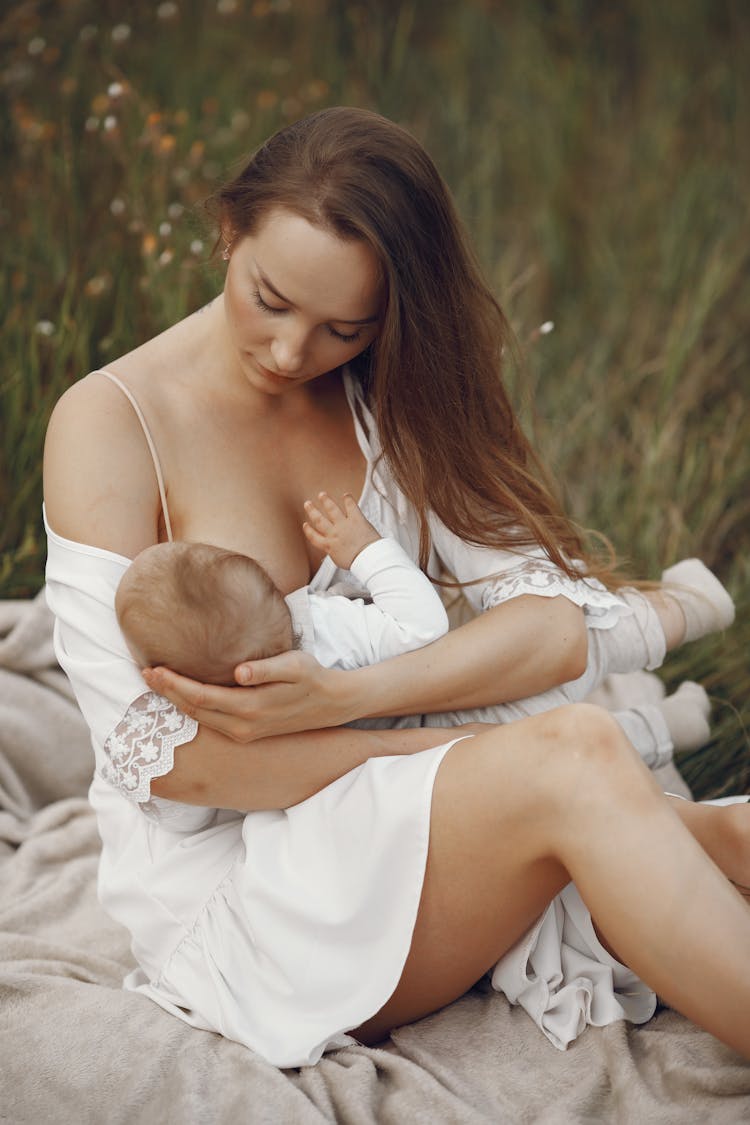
274, 310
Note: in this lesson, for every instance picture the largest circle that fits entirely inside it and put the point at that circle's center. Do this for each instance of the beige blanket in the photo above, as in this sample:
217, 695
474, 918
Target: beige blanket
75, 1048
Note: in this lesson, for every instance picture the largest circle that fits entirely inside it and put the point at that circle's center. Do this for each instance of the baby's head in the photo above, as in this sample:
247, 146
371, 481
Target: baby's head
201, 610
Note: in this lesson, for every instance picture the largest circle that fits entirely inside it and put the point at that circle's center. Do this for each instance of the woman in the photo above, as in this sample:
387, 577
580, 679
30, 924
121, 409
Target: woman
343, 249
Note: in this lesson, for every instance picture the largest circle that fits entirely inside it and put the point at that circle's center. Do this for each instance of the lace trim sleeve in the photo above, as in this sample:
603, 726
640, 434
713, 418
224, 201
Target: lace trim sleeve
602, 608
143, 743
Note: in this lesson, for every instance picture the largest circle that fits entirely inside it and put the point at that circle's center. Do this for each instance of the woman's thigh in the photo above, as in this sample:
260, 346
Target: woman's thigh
490, 872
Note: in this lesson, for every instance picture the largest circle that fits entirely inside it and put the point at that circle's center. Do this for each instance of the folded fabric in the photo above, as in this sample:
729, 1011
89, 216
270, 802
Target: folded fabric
562, 975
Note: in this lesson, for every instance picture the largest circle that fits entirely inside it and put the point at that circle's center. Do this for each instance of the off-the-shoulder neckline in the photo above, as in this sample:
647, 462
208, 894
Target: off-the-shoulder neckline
354, 395
81, 548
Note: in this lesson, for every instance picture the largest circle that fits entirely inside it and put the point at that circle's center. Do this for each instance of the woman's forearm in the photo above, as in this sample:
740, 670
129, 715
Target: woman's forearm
520, 648
277, 772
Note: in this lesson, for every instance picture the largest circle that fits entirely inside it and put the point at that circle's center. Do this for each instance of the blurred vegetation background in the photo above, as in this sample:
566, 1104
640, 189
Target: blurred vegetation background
599, 154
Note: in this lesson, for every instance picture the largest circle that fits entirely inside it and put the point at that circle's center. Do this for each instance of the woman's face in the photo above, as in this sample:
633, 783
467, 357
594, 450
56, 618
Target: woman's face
299, 301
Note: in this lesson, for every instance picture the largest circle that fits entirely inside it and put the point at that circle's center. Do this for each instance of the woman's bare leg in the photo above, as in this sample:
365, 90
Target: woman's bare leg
724, 834
519, 811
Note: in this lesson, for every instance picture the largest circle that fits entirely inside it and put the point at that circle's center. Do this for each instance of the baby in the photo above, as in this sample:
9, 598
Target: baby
202, 610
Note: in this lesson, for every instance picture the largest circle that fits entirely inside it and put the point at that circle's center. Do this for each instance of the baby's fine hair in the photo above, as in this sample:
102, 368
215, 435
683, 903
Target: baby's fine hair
201, 610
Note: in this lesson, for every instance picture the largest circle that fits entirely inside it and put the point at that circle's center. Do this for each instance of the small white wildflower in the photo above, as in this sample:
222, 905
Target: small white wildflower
196, 246
120, 33
175, 210
166, 257
110, 123
115, 89
546, 328
117, 206
91, 124
44, 328
167, 10
88, 32
165, 229
240, 120
36, 45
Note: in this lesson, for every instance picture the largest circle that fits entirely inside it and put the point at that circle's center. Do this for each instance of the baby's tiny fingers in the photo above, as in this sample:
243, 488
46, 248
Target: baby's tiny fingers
350, 505
315, 537
317, 518
332, 509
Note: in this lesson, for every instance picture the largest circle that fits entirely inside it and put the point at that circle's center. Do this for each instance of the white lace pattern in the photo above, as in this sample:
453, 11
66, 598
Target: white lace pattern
143, 743
543, 578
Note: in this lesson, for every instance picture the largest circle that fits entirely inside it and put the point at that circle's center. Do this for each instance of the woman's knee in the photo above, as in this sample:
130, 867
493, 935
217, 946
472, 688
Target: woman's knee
576, 729
589, 731
557, 748
589, 739
538, 778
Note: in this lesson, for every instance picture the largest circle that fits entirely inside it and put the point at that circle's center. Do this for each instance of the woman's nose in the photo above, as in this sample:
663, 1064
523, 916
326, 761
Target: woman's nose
288, 348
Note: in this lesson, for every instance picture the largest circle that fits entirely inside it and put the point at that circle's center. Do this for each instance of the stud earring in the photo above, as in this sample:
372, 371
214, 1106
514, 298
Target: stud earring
225, 252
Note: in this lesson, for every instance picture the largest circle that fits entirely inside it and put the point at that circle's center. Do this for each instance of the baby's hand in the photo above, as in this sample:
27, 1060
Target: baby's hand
341, 532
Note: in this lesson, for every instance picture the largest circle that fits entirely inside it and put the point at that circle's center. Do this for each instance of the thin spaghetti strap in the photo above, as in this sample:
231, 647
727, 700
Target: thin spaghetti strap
149, 441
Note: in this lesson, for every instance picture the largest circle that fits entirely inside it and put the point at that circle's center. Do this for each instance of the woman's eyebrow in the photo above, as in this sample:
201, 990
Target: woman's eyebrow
336, 319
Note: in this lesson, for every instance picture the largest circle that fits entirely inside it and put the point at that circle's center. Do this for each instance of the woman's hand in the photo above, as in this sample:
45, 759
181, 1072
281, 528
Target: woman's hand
280, 695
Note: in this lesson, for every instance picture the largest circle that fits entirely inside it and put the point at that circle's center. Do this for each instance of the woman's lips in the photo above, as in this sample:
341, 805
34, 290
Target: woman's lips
273, 374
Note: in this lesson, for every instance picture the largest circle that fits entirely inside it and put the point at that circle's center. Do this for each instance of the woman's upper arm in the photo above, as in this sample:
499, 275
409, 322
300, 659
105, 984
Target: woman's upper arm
495, 576
100, 485
101, 491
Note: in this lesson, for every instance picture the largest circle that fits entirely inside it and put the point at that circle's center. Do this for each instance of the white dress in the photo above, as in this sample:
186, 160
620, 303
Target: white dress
268, 927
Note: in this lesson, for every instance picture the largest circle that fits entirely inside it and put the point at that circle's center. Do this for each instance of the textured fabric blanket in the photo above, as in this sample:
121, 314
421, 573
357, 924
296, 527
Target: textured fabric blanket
75, 1047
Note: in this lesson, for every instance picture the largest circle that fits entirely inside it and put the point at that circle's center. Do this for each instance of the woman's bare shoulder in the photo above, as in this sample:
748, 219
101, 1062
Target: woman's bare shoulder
99, 482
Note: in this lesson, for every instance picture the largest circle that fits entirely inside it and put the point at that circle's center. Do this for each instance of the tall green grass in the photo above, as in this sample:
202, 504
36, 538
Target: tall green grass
599, 155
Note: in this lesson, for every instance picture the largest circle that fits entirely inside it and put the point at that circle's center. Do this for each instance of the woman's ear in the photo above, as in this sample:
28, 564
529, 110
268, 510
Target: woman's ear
228, 236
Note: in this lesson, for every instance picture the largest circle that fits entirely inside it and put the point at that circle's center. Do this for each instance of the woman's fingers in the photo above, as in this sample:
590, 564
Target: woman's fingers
223, 709
285, 693
287, 668
189, 695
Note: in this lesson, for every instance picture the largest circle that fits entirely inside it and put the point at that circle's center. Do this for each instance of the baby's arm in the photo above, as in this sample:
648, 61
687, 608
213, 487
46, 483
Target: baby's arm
406, 612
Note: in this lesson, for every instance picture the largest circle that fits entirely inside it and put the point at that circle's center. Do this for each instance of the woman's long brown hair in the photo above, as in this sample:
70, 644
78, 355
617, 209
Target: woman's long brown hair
434, 373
